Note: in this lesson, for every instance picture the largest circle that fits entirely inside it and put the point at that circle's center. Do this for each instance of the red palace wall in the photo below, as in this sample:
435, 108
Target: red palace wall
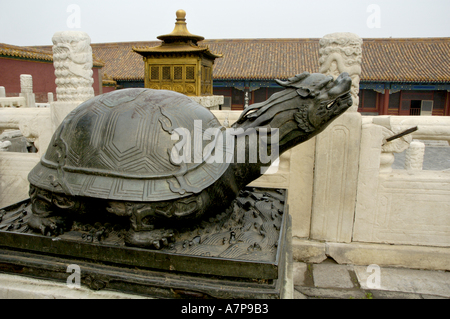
107, 89
43, 74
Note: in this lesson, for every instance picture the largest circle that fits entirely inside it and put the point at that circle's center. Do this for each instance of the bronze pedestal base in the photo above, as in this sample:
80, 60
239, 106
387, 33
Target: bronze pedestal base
245, 257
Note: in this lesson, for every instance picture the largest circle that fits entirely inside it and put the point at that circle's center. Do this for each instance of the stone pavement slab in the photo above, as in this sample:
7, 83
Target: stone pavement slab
328, 275
426, 282
299, 273
330, 280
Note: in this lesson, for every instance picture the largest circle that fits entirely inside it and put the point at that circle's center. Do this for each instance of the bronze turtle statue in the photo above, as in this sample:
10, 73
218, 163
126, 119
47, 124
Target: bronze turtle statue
161, 160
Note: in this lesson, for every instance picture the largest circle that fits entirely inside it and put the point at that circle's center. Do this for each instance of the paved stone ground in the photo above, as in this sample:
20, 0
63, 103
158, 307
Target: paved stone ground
330, 280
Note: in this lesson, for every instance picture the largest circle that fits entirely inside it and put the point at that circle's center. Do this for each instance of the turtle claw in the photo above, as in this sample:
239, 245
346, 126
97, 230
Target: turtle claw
152, 239
157, 244
45, 225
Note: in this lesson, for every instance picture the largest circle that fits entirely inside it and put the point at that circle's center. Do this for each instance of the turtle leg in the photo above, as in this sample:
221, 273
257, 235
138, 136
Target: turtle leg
48, 212
144, 231
42, 218
152, 239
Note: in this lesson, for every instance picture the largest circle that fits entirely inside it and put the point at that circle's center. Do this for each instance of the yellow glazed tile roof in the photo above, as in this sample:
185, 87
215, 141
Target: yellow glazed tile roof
384, 60
241, 59
28, 53
406, 60
393, 60
43, 53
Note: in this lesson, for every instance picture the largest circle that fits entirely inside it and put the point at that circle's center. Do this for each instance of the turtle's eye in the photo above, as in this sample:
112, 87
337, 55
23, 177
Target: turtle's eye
251, 114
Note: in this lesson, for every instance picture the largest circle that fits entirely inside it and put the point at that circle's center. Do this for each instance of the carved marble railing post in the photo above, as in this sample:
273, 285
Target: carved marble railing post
338, 147
387, 157
26, 90
342, 52
414, 156
211, 102
13, 102
72, 59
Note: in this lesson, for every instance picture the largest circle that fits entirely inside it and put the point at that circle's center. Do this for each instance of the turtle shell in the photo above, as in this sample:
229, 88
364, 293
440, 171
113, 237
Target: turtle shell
117, 146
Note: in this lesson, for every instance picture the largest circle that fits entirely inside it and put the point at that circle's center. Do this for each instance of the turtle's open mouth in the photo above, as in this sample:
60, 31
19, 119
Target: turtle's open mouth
345, 100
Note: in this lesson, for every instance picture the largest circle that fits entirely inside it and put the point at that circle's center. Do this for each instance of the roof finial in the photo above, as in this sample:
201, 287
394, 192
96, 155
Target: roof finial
180, 32
181, 15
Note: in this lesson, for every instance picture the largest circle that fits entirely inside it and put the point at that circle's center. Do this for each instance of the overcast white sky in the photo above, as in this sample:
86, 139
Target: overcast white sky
33, 22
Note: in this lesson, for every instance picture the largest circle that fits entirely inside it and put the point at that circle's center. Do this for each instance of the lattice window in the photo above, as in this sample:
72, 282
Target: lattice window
439, 100
166, 72
369, 99
208, 74
154, 73
178, 73
190, 73
394, 101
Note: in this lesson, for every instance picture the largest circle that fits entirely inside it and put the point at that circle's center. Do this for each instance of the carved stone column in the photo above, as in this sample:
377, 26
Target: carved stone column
72, 59
338, 147
342, 52
26, 90
50, 97
414, 156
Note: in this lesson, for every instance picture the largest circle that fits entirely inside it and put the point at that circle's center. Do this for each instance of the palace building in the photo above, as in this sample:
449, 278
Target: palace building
399, 76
